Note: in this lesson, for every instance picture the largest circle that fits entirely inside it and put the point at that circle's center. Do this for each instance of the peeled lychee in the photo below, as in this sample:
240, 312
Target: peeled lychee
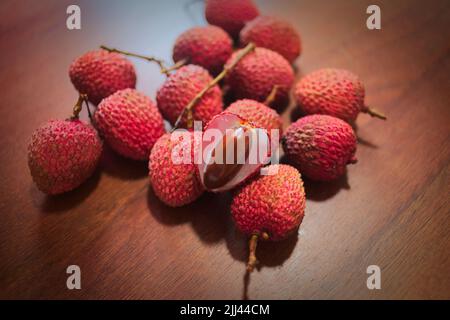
181, 87
335, 92
233, 150
230, 15
209, 47
257, 113
258, 73
274, 34
174, 181
270, 207
320, 146
63, 154
130, 122
100, 73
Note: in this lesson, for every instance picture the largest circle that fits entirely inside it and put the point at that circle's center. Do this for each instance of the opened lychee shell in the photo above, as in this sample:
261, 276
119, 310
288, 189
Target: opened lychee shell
233, 149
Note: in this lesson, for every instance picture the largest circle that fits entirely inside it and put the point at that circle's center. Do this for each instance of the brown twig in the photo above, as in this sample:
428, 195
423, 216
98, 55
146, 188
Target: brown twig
79, 106
271, 97
140, 56
252, 243
252, 261
374, 113
227, 68
176, 66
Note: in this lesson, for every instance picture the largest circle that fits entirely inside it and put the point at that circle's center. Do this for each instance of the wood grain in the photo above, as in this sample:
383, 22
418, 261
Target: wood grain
392, 208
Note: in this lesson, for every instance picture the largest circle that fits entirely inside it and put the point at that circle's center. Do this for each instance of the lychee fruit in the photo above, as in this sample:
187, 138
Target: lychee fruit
335, 92
269, 207
320, 146
181, 87
174, 179
257, 113
209, 47
230, 15
63, 154
233, 150
255, 76
130, 122
100, 73
274, 34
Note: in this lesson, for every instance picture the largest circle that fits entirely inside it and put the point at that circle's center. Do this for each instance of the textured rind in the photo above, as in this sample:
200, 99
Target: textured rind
230, 15
100, 73
320, 146
274, 204
257, 73
181, 87
174, 184
209, 47
130, 122
274, 34
335, 92
257, 113
62, 154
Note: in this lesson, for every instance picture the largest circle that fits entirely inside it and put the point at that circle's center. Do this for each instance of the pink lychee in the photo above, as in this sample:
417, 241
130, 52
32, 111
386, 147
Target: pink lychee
209, 47
320, 146
130, 122
62, 154
100, 73
175, 181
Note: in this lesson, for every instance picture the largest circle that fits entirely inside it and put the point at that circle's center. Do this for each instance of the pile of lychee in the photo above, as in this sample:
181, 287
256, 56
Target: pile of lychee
257, 75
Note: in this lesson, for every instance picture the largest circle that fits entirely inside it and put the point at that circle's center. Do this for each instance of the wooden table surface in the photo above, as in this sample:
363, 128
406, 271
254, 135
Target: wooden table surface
391, 210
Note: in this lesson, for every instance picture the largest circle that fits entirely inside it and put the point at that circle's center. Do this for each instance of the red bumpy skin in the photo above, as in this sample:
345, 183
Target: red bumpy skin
335, 92
272, 204
62, 155
257, 73
209, 47
181, 87
230, 15
100, 73
130, 122
320, 146
257, 113
274, 34
175, 184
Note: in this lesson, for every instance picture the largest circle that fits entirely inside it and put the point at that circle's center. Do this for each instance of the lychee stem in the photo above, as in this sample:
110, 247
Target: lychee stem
160, 62
176, 66
78, 106
374, 113
252, 261
86, 102
227, 68
271, 97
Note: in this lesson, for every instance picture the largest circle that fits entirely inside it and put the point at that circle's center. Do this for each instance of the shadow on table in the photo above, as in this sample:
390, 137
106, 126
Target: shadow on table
63, 202
211, 219
324, 190
209, 215
269, 254
125, 169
